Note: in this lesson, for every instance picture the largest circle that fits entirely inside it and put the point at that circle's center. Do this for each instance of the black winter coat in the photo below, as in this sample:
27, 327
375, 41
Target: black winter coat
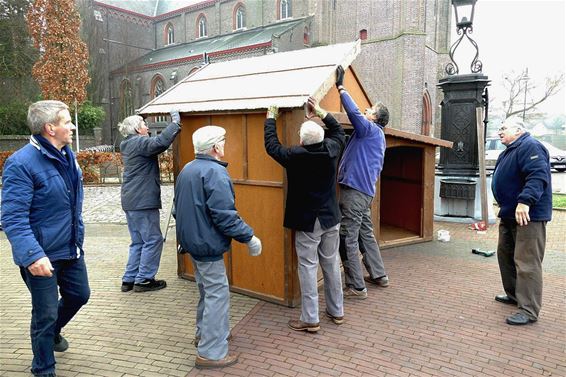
311, 176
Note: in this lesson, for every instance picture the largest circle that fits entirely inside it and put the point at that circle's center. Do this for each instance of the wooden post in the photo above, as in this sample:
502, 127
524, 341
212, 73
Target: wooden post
481, 155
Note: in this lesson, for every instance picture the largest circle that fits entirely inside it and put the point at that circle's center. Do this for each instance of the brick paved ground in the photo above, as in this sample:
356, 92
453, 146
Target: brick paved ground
437, 318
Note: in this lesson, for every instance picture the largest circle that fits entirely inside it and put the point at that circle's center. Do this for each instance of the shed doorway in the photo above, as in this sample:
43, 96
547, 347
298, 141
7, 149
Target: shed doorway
401, 198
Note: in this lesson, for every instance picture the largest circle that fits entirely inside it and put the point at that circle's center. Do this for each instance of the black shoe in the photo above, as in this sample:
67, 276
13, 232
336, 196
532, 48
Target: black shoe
126, 287
52, 374
505, 300
60, 344
150, 285
519, 319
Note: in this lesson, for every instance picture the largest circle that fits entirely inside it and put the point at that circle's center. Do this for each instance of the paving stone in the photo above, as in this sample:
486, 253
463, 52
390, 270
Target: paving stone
438, 317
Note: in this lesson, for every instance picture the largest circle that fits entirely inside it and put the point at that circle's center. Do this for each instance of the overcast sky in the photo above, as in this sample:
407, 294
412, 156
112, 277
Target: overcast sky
516, 34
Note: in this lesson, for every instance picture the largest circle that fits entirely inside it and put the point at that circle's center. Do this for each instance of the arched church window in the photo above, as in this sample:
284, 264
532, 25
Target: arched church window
126, 99
157, 88
169, 34
284, 9
240, 17
201, 26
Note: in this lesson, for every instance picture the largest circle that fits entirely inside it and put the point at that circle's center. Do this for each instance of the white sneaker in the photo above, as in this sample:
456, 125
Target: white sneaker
353, 293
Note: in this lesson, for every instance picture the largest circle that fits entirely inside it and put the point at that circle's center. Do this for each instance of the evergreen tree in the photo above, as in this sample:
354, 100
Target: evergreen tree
17, 54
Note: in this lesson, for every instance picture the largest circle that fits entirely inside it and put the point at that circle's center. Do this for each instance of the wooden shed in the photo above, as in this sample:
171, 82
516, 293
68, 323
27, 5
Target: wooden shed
235, 95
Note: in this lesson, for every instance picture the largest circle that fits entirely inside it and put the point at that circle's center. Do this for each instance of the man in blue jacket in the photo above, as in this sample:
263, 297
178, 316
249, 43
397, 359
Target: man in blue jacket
359, 169
206, 222
141, 199
311, 210
42, 199
521, 185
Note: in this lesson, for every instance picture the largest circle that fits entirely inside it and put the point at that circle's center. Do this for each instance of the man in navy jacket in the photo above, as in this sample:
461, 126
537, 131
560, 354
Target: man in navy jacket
206, 222
521, 186
42, 199
141, 199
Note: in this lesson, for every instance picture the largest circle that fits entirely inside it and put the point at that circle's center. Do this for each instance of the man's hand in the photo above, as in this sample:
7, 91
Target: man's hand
312, 107
41, 267
522, 214
254, 246
339, 76
272, 112
175, 116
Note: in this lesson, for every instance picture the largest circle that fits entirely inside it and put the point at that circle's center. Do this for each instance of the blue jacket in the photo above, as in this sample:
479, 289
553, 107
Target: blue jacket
206, 215
141, 186
37, 213
522, 175
362, 160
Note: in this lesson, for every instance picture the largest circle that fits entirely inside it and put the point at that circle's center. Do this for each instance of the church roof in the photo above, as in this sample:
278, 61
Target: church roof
150, 8
285, 79
193, 51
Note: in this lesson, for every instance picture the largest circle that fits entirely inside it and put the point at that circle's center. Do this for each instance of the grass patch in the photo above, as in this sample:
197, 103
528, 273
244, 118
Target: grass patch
559, 201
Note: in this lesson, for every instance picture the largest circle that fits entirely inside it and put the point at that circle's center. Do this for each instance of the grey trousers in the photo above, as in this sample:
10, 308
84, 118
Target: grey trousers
356, 233
320, 245
213, 309
520, 251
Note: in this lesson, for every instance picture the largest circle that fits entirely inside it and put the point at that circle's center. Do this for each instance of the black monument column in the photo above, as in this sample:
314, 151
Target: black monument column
457, 176
462, 95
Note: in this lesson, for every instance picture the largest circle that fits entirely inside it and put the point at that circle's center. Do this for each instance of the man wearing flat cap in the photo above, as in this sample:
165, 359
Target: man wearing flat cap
207, 221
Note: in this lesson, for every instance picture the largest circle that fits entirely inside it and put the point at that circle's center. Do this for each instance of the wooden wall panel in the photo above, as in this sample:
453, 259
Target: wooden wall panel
262, 208
234, 149
185, 148
260, 166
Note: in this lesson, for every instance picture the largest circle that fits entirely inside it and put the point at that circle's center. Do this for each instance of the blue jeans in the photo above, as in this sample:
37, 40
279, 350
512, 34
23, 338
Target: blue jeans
146, 246
213, 309
49, 313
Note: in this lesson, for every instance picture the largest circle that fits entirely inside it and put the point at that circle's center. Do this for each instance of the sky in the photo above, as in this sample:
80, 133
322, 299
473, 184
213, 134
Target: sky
513, 35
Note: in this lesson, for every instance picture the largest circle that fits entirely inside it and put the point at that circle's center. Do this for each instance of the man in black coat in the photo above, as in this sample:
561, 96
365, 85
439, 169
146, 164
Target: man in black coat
312, 210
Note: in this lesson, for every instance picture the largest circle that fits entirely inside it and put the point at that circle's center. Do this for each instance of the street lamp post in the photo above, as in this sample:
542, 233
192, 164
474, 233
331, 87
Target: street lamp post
458, 168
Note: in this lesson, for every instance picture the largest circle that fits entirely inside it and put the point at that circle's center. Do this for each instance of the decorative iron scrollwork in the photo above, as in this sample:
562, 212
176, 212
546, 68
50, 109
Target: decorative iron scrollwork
476, 65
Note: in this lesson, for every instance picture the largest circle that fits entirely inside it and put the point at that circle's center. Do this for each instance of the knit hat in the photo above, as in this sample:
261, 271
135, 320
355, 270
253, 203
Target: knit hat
205, 137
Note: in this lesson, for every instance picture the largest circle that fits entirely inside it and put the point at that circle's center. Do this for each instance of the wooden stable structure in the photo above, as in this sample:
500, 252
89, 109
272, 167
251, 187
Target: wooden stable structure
402, 214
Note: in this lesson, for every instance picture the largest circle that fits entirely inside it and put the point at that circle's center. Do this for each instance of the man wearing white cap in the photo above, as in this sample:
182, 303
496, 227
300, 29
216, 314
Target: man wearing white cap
207, 221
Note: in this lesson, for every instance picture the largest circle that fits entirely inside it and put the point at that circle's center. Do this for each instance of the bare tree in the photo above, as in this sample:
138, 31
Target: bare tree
519, 87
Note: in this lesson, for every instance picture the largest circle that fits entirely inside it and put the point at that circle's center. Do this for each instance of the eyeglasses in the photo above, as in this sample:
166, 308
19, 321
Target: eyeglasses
369, 111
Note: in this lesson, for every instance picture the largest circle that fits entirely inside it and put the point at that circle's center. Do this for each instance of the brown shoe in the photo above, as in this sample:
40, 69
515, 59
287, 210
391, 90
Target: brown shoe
196, 340
336, 320
382, 281
298, 325
204, 363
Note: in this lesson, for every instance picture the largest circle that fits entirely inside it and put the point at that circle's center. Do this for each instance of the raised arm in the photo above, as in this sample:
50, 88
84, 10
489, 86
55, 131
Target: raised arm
273, 146
360, 123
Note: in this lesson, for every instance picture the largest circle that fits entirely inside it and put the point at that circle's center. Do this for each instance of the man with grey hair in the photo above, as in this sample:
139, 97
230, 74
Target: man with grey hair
311, 210
42, 199
141, 199
207, 221
521, 185
359, 169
